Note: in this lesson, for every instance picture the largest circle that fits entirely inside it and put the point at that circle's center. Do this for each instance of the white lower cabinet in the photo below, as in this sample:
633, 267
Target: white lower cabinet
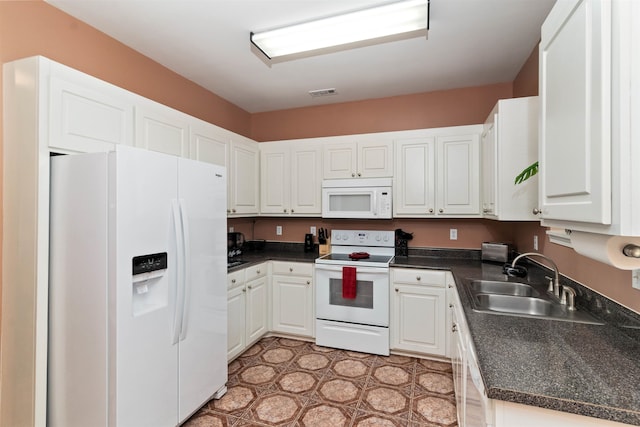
247, 305
418, 310
292, 298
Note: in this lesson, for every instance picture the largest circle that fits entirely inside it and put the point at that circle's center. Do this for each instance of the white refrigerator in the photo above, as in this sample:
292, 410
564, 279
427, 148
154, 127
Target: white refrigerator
137, 299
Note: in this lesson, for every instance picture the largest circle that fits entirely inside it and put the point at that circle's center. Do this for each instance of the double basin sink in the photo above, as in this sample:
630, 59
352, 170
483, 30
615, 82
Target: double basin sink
521, 299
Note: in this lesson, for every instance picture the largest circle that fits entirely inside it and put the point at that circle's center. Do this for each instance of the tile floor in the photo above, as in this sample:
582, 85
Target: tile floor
285, 382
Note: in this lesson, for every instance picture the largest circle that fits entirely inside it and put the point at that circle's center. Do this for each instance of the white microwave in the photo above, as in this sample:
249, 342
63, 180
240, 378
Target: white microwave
365, 198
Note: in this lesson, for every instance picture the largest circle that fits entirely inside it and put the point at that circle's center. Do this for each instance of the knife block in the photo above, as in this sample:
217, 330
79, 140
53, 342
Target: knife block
325, 248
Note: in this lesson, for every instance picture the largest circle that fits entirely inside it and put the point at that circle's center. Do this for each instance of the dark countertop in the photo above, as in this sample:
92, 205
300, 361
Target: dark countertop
591, 370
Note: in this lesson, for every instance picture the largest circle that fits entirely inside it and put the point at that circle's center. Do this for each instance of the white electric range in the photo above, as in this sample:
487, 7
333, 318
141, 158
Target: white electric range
357, 321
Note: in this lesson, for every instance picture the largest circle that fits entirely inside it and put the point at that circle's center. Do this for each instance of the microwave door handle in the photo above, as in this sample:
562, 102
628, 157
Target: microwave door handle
376, 208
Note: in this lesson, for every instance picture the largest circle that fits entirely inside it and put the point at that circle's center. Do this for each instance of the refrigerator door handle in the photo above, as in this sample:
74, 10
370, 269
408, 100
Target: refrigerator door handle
179, 285
186, 260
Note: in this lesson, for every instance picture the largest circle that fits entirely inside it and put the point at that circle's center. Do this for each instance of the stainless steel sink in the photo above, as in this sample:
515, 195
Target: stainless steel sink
514, 304
521, 300
503, 288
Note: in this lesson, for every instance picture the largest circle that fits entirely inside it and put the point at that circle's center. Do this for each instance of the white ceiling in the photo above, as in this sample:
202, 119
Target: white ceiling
470, 43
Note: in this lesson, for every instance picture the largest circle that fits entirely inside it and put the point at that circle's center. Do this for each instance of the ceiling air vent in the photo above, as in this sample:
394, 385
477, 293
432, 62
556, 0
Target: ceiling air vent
323, 92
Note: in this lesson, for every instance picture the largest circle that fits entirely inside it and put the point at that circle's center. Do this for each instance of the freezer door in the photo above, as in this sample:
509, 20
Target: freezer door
142, 202
203, 336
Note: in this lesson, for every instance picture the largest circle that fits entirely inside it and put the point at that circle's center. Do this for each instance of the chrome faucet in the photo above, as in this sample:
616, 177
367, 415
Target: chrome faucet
554, 286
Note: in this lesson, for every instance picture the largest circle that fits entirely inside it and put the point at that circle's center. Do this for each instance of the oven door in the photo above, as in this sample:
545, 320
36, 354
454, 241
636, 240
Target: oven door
369, 307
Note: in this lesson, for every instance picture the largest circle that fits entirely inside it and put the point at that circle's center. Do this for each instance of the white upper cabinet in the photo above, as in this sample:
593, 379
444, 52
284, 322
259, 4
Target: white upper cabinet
86, 114
575, 80
244, 167
458, 183
589, 77
208, 143
509, 145
290, 178
367, 158
162, 129
437, 172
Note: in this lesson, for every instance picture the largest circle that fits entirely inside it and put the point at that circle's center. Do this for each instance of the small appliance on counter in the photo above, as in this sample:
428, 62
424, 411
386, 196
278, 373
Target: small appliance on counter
496, 252
402, 242
235, 242
308, 243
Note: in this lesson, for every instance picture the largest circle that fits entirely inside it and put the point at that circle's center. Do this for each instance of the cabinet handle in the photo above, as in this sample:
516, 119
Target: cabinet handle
536, 211
353, 175
233, 280
284, 210
418, 278
450, 305
250, 287
244, 289
359, 174
291, 210
228, 210
450, 286
441, 210
308, 282
431, 210
290, 269
257, 271
454, 328
233, 210
397, 290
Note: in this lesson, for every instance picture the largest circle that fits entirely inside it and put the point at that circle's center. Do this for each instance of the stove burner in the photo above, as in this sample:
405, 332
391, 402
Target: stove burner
359, 255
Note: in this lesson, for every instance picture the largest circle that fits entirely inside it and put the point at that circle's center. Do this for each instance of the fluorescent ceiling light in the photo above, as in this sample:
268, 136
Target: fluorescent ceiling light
390, 22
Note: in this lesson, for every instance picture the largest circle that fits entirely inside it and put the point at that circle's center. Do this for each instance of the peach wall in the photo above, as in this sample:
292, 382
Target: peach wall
465, 106
30, 28
526, 82
426, 232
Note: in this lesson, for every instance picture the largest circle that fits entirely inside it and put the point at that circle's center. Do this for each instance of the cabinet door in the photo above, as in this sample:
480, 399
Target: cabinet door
575, 90
340, 160
257, 321
458, 363
458, 183
292, 305
306, 179
159, 128
84, 119
208, 144
419, 319
414, 183
489, 172
243, 183
275, 185
375, 159
236, 318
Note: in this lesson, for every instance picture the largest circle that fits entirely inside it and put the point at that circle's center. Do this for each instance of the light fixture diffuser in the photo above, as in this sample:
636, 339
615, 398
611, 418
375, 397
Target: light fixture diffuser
396, 21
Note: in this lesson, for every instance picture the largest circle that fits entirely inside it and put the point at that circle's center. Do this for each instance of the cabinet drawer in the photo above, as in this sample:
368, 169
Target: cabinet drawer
255, 271
419, 277
235, 279
292, 268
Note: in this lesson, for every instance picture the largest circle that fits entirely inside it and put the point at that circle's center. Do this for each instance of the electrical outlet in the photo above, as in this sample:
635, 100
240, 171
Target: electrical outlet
312, 229
453, 234
278, 230
231, 229
635, 279
535, 242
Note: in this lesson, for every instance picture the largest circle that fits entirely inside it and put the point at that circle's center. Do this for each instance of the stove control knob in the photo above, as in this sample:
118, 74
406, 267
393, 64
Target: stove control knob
377, 237
345, 237
385, 238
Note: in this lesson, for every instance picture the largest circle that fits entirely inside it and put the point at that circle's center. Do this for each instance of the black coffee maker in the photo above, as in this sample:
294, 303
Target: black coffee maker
402, 242
235, 241
308, 243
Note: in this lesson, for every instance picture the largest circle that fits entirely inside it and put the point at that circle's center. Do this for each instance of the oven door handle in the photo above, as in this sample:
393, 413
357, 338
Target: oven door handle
338, 269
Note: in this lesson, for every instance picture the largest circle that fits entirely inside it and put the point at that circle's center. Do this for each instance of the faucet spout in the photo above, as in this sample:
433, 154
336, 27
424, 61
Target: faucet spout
556, 274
